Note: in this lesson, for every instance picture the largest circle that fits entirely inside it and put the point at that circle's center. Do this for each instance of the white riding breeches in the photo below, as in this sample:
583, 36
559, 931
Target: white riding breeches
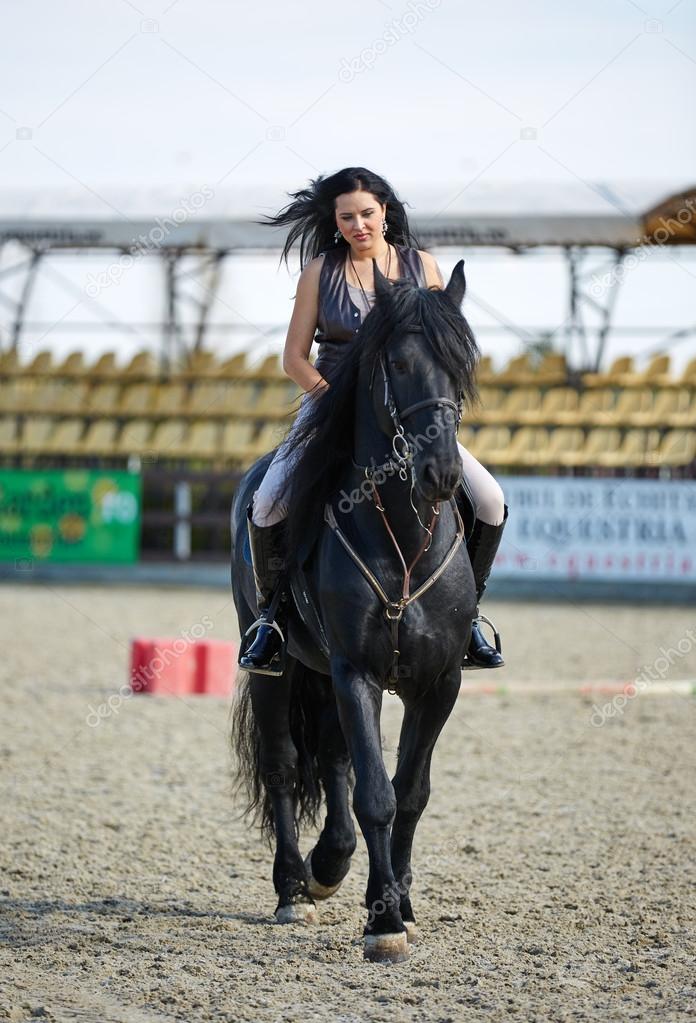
270, 499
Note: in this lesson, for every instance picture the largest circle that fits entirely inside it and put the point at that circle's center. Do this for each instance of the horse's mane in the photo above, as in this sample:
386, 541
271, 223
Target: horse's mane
325, 436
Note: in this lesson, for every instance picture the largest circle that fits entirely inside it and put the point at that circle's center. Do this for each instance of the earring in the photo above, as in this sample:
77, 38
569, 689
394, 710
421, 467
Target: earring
384, 225
337, 237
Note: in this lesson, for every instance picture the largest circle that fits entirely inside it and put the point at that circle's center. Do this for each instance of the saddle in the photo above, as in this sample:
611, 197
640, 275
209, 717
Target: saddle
299, 584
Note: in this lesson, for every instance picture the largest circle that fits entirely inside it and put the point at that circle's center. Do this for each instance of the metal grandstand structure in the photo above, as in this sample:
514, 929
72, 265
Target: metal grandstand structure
586, 223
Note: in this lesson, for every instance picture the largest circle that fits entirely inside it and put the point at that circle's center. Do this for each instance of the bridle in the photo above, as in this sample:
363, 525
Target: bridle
404, 457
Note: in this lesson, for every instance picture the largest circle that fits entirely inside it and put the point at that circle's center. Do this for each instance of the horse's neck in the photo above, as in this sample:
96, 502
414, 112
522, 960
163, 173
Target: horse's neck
372, 447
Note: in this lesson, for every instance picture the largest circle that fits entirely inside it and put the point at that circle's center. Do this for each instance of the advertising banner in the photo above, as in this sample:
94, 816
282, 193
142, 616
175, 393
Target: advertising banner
71, 515
599, 529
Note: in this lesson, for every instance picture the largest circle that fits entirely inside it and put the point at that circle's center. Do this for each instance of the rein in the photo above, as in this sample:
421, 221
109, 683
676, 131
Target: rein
403, 455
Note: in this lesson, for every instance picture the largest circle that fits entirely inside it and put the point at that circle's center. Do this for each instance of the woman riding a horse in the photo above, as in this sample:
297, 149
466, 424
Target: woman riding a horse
343, 222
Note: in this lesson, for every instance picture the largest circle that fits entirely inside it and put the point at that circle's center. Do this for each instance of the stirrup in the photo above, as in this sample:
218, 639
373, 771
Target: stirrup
468, 664
267, 618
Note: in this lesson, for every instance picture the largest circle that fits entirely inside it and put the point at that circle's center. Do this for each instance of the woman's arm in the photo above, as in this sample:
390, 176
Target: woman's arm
433, 276
301, 330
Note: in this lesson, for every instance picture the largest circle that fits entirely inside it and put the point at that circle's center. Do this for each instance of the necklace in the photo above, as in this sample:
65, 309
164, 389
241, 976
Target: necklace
350, 257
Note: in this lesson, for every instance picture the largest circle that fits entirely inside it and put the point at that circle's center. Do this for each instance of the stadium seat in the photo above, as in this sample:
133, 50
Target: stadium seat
40, 365
8, 435
277, 401
269, 436
668, 402
620, 367
236, 444
71, 399
589, 403
100, 438
35, 433
490, 399
555, 401
169, 439
517, 401
142, 366
170, 399
10, 363
134, 438
484, 370
517, 370
598, 441
684, 414
678, 448
105, 367
465, 435
636, 450
487, 439
525, 443
562, 440
240, 399
656, 374
15, 395
203, 440
73, 365
234, 367
137, 400
64, 438
688, 377
628, 402
270, 368
104, 399
209, 398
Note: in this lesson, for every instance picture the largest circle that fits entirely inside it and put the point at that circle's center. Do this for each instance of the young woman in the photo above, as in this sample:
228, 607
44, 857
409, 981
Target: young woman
343, 222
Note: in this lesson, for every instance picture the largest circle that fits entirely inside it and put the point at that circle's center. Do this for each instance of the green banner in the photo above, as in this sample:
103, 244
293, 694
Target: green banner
69, 515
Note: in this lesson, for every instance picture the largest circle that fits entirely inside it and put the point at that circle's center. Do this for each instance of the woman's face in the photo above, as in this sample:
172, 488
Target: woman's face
359, 218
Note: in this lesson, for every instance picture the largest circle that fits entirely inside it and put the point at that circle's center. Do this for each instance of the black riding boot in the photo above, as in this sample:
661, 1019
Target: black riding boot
266, 654
482, 546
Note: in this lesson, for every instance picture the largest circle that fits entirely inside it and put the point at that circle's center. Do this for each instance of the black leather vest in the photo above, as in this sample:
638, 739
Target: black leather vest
338, 318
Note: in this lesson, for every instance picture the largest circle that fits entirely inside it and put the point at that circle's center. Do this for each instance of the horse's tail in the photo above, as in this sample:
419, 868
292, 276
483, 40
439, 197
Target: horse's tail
305, 710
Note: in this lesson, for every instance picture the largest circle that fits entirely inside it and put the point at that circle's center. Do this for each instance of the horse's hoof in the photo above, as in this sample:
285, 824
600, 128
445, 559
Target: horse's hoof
386, 948
315, 889
411, 931
297, 913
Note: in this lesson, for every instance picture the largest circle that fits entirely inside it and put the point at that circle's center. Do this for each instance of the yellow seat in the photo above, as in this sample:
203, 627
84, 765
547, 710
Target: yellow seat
236, 444
636, 449
667, 403
137, 400
134, 438
17, 395
519, 400
142, 366
212, 398
487, 439
41, 365
10, 363
555, 401
685, 412
656, 374
104, 367
199, 364
490, 399
628, 403
484, 370
619, 367
688, 377
170, 399
65, 438
270, 435
240, 399
8, 435
561, 440
100, 438
234, 367
72, 366
35, 434
678, 449
203, 440
269, 368
517, 370
71, 398
465, 435
277, 400
525, 443
589, 403
597, 442
169, 439
104, 399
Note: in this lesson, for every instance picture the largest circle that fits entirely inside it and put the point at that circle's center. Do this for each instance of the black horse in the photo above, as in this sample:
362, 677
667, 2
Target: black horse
375, 537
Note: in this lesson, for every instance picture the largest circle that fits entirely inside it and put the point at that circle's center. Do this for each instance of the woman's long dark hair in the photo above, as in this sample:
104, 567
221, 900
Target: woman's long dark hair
324, 439
312, 214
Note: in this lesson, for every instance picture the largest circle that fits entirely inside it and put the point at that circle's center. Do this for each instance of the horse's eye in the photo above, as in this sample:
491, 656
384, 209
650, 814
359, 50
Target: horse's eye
399, 365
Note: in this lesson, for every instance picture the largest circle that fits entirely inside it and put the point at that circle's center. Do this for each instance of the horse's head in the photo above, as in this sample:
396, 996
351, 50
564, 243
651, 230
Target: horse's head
417, 384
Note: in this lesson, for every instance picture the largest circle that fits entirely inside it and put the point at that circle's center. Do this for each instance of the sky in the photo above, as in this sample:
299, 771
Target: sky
115, 97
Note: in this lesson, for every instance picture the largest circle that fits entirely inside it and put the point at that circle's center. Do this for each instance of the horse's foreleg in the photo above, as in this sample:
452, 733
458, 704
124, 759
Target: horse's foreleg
359, 701
329, 861
278, 766
423, 721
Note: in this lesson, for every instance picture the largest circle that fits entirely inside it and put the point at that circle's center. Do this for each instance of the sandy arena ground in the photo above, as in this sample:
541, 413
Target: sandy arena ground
554, 869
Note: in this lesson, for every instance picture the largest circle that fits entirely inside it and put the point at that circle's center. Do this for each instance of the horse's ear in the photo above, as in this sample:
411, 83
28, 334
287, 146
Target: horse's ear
381, 284
457, 284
